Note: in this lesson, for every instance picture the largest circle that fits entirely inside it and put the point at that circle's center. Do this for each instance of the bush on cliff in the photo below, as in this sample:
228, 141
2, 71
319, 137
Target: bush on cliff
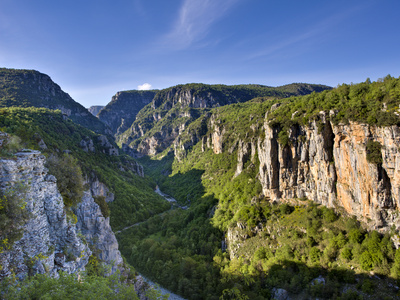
69, 177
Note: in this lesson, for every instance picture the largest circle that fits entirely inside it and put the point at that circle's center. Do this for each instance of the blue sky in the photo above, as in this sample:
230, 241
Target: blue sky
93, 49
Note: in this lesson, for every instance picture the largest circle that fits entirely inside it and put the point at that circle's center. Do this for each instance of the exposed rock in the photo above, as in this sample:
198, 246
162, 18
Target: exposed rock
98, 233
120, 113
3, 138
110, 149
42, 145
243, 156
95, 109
50, 242
328, 164
280, 294
98, 188
87, 145
318, 280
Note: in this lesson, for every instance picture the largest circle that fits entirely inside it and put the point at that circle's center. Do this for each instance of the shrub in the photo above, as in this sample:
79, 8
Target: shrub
69, 178
101, 201
374, 152
13, 214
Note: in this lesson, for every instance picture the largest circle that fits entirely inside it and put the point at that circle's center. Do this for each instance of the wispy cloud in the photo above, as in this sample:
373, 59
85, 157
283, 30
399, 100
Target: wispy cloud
195, 20
309, 34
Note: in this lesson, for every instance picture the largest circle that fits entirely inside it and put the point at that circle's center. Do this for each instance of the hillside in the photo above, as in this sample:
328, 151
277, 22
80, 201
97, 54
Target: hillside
120, 113
296, 196
105, 170
26, 88
160, 122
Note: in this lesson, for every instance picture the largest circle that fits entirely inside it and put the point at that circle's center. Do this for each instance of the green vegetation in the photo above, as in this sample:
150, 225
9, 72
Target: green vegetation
134, 201
374, 154
285, 246
173, 108
27, 88
67, 286
374, 103
69, 178
13, 215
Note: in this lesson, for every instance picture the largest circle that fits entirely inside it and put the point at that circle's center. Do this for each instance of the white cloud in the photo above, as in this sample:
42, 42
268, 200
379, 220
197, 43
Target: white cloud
144, 86
195, 20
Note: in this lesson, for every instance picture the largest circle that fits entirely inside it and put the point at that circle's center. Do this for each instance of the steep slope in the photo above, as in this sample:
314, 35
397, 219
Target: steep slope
109, 175
120, 113
248, 172
95, 109
49, 241
173, 109
25, 88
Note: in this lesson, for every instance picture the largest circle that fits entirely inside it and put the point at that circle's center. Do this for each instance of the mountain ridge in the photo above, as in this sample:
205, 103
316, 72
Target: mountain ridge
25, 88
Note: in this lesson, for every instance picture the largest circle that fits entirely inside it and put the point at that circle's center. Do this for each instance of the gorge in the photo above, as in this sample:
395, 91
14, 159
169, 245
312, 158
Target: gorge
287, 193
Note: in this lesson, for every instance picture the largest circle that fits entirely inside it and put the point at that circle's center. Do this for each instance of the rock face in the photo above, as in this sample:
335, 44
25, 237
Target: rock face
98, 232
50, 241
120, 113
330, 166
172, 110
95, 109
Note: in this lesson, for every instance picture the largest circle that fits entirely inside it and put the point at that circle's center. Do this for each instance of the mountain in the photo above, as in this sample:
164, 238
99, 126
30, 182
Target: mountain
120, 113
284, 193
94, 110
171, 110
25, 88
289, 196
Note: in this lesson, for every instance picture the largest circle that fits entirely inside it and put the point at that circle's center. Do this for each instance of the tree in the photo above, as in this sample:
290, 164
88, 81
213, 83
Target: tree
69, 178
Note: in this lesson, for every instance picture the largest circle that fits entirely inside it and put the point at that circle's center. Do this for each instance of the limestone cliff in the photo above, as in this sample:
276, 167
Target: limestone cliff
321, 161
120, 113
330, 167
51, 240
95, 109
161, 123
98, 233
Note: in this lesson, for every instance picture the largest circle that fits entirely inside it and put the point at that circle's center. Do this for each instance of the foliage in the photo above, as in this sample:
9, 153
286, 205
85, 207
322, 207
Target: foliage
67, 286
374, 103
69, 178
374, 154
101, 201
10, 145
13, 214
135, 199
30, 88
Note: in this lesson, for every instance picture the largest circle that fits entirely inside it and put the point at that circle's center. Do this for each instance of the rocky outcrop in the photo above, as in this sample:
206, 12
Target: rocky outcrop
98, 188
328, 164
109, 148
95, 109
50, 240
87, 145
120, 113
98, 233
173, 109
53, 239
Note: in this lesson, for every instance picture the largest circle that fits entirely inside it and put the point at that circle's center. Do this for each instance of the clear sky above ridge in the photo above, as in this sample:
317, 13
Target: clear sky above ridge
93, 49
